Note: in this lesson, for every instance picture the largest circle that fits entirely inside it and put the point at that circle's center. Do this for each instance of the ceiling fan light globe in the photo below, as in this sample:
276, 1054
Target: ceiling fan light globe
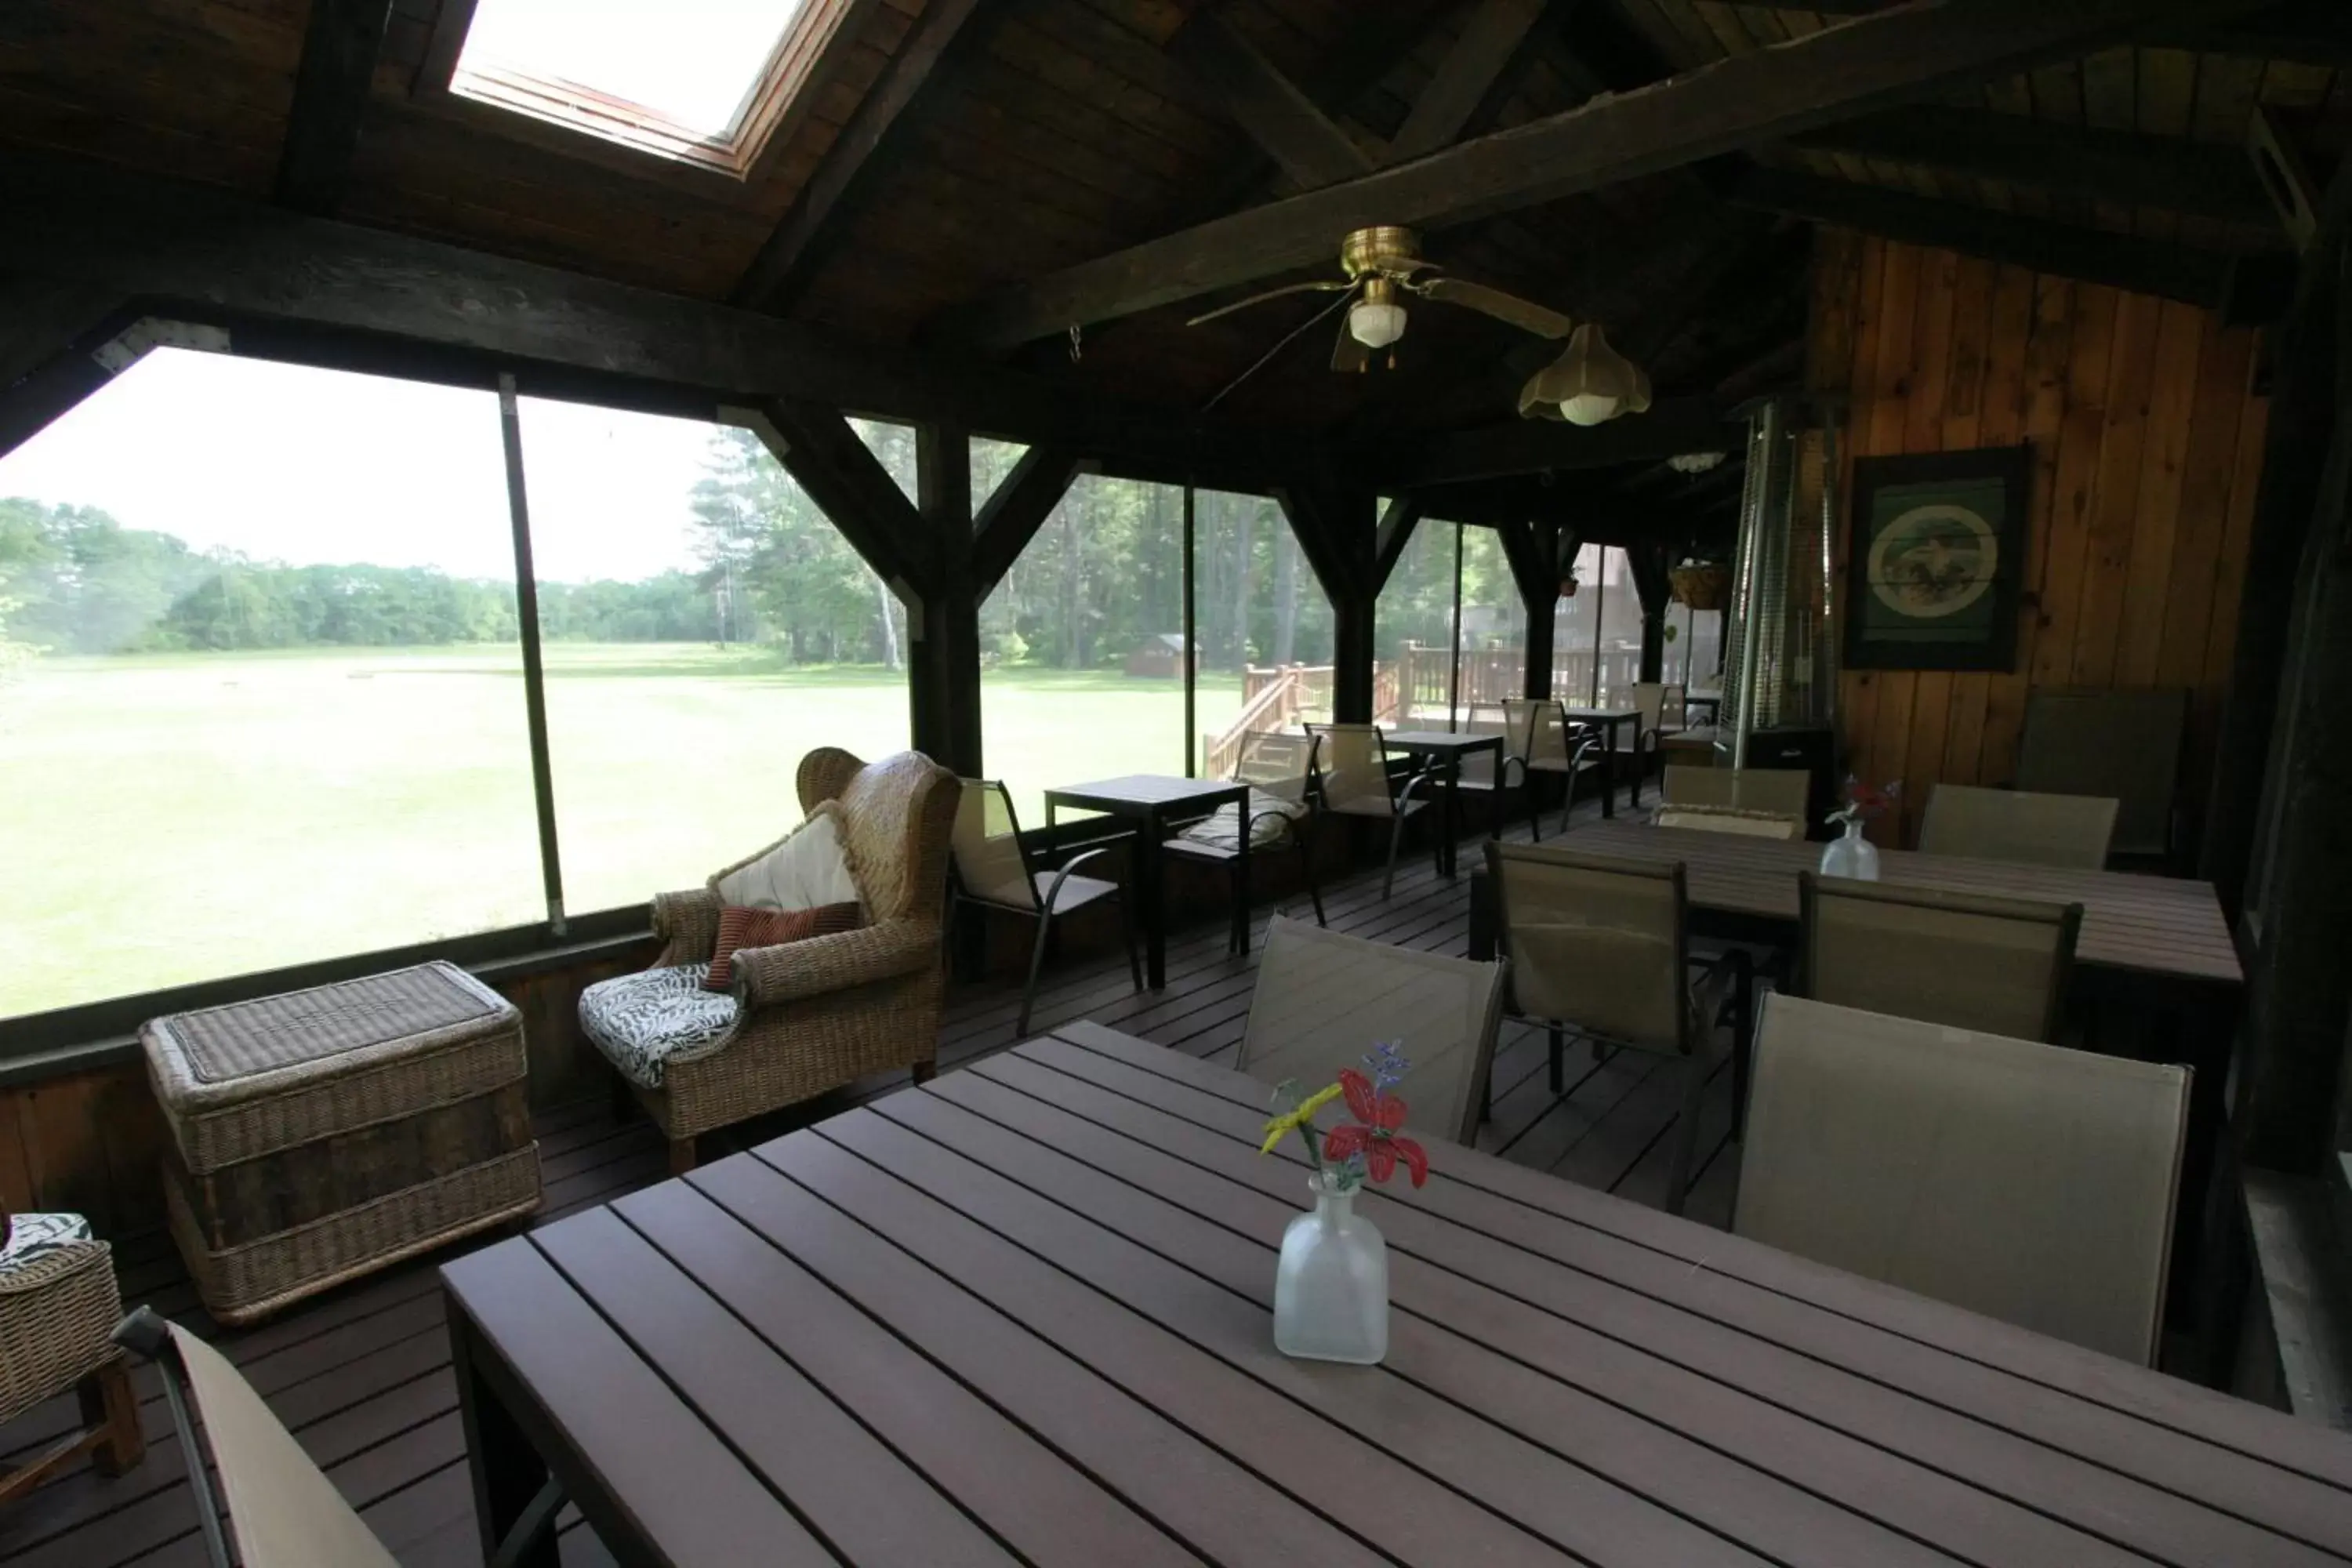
1590, 408
1376, 323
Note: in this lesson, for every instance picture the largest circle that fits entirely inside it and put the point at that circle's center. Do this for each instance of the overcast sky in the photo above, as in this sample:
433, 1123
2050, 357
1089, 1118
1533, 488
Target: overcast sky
311, 466
692, 59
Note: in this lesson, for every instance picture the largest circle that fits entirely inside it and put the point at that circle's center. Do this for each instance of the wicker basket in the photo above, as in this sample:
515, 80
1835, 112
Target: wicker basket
1703, 586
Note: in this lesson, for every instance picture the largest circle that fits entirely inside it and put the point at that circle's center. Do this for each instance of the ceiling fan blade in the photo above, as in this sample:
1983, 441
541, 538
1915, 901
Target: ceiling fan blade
1525, 314
1320, 286
1283, 342
1348, 354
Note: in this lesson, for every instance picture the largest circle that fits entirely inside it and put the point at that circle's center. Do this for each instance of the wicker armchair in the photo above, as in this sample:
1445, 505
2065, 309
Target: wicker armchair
58, 1306
816, 1014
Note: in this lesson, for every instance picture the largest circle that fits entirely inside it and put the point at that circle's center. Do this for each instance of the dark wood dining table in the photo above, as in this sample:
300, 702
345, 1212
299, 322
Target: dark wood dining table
1155, 803
1022, 1314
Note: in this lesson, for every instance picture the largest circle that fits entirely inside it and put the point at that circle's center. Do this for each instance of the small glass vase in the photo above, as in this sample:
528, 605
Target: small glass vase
1850, 855
1331, 1287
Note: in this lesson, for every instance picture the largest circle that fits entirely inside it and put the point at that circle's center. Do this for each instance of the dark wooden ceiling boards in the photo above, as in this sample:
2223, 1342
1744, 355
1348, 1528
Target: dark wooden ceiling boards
950, 150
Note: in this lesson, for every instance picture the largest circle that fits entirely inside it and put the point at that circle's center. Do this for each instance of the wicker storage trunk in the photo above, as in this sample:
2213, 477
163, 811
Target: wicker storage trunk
322, 1134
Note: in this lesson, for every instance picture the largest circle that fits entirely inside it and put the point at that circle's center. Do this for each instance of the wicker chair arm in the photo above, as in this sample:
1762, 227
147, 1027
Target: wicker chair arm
687, 923
884, 950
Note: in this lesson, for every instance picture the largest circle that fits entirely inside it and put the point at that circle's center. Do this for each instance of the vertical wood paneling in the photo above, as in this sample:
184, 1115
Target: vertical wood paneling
2146, 445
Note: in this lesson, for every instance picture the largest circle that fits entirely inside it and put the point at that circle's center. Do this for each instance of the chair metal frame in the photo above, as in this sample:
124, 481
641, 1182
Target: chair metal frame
1292, 834
1042, 907
1403, 802
145, 1334
1580, 741
1698, 1063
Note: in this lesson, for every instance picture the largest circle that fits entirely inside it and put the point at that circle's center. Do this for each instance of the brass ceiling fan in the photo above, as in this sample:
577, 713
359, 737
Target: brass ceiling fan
1383, 264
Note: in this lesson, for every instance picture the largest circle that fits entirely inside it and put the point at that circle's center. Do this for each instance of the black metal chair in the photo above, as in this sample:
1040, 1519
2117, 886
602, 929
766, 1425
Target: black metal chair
993, 871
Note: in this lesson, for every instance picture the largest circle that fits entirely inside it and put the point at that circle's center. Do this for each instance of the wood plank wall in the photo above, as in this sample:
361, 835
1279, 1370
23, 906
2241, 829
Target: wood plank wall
89, 1141
2147, 440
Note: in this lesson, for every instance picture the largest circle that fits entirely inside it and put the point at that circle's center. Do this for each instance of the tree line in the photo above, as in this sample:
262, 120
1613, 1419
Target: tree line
766, 568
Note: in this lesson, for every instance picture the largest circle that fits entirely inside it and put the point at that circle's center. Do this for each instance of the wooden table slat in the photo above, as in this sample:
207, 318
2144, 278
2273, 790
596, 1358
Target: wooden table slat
1930, 1329
866, 1502
1683, 1370
1570, 1508
1102, 1424
666, 1469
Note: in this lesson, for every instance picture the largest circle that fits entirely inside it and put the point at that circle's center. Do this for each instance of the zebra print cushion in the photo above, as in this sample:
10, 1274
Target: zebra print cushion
640, 1021
32, 1236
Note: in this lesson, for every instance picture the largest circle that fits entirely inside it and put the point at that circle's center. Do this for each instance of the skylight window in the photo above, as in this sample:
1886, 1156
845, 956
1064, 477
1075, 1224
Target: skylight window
699, 79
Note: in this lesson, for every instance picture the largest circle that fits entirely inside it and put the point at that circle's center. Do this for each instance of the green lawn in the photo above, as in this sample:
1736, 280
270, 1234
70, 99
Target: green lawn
182, 818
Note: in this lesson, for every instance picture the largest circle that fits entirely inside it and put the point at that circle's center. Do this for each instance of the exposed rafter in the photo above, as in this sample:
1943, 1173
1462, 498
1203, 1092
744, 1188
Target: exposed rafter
2168, 270
846, 177
2168, 173
340, 49
1479, 66
1541, 446
1011, 517
1767, 95
42, 320
2314, 33
1282, 120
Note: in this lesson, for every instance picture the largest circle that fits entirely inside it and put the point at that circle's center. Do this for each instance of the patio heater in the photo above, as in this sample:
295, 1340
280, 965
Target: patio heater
1779, 688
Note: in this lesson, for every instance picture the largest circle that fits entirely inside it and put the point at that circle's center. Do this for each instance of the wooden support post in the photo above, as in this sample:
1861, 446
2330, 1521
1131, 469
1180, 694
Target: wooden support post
2298, 893
1532, 550
944, 647
1650, 586
1338, 526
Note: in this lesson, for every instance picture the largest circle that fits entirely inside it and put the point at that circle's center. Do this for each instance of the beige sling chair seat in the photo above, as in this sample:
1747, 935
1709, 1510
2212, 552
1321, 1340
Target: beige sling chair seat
1784, 792
1731, 819
1353, 779
1324, 999
1279, 769
992, 869
2070, 830
1543, 742
2026, 1182
1602, 945
2000, 966
281, 1509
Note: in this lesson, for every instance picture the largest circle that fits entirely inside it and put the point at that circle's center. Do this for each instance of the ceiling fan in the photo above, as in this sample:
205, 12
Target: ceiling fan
1383, 264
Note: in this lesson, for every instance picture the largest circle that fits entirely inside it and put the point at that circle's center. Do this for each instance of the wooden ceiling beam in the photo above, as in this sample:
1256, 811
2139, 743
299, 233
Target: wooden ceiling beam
2312, 32
2168, 270
2174, 174
47, 327
326, 291
1769, 94
1483, 62
1283, 120
1011, 516
844, 182
817, 446
340, 47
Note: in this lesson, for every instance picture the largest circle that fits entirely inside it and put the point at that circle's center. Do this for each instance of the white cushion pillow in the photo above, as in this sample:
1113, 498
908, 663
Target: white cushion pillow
804, 870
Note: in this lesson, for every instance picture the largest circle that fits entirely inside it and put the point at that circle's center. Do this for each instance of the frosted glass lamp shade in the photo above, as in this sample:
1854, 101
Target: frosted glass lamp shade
1590, 384
1376, 323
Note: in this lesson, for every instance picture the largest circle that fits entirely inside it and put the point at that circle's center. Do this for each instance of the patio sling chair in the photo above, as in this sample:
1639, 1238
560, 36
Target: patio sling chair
804, 1017
280, 1508
1545, 745
1602, 945
58, 1306
2019, 826
2027, 1182
1279, 768
993, 871
1660, 708
2125, 745
1783, 792
1353, 779
1998, 965
1324, 999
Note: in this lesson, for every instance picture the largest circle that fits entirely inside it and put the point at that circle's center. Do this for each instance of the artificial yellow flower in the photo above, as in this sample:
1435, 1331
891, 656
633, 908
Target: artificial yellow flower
1301, 1120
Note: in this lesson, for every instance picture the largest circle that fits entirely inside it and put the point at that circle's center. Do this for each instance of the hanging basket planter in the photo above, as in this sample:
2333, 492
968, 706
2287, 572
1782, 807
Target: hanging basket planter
1702, 585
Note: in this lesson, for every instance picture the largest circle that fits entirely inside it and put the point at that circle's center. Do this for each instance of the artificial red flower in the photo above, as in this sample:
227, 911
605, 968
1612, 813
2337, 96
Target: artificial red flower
1373, 1133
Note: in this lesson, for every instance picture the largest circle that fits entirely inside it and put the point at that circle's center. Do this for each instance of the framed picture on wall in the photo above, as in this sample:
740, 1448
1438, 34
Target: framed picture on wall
1938, 560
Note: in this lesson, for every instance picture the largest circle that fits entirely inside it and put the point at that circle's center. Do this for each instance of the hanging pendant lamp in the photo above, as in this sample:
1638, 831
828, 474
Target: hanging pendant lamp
1589, 384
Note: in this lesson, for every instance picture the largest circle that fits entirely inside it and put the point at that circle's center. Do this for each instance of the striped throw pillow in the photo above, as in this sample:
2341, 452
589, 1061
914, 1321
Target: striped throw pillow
739, 928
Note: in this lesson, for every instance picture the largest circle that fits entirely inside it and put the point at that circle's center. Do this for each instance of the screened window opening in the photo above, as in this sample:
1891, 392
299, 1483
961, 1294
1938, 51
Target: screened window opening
1264, 626
262, 697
